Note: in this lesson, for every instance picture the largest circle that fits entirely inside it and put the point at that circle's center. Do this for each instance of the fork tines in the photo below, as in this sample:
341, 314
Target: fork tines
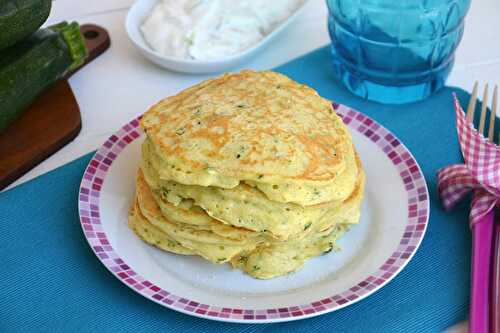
484, 110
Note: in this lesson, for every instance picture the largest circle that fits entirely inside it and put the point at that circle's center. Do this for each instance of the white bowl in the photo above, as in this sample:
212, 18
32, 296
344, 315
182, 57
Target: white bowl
141, 9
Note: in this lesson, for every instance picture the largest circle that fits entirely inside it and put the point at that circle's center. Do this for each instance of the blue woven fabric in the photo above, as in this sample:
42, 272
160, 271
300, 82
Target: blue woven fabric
51, 281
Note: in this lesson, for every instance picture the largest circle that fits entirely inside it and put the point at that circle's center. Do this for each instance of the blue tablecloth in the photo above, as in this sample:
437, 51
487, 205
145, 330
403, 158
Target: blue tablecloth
51, 281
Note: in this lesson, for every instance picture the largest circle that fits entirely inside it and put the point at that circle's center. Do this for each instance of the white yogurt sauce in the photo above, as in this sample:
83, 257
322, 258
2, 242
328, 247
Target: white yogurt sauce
212, 29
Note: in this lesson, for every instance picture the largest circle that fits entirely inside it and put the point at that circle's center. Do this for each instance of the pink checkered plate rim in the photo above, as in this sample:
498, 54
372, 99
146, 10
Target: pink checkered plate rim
413, 223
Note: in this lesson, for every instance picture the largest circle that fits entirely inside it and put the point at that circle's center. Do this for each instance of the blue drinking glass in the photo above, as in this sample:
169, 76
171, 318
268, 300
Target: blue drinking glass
395, 51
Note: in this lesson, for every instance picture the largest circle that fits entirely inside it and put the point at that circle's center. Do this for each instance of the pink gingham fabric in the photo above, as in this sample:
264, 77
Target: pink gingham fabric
480, 173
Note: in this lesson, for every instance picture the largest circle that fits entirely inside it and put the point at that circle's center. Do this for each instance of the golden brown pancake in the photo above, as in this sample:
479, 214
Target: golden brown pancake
257, 127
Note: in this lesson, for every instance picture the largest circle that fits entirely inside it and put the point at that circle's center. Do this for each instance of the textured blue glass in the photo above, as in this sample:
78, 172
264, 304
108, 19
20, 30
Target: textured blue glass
395, 51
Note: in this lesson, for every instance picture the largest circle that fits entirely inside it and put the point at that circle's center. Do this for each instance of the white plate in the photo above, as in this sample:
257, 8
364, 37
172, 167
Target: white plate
394, 219
141, 9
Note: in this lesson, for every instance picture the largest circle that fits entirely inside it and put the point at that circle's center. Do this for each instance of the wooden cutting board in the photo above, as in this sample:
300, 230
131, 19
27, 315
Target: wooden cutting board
52, 120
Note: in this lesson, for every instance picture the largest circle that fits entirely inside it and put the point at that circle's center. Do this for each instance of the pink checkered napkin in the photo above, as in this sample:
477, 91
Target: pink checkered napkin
480, 173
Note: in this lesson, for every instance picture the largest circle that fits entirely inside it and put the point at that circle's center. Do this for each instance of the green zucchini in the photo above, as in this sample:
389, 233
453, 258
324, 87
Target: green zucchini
30, 66
21, 18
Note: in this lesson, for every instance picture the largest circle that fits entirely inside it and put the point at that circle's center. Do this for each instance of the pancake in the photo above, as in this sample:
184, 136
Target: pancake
267, 261
255, 127
207, 244
273, 257
152, 235
185, 212
247, 207
194, 216
278, 259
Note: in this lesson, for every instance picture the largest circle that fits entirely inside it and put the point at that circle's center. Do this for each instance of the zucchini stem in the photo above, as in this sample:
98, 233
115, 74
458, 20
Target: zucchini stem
75, 41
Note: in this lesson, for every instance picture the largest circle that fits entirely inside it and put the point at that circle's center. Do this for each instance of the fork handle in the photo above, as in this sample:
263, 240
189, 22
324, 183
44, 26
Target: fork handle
495, 276
482, 233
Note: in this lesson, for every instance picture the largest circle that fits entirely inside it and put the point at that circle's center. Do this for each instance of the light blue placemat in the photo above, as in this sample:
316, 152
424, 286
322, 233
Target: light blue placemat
51, 281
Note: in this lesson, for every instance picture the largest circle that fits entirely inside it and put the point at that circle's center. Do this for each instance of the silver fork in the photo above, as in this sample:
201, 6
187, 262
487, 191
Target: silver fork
495, 263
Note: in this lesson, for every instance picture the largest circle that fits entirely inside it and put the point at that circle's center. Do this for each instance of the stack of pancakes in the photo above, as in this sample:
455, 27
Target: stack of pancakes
251, 169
